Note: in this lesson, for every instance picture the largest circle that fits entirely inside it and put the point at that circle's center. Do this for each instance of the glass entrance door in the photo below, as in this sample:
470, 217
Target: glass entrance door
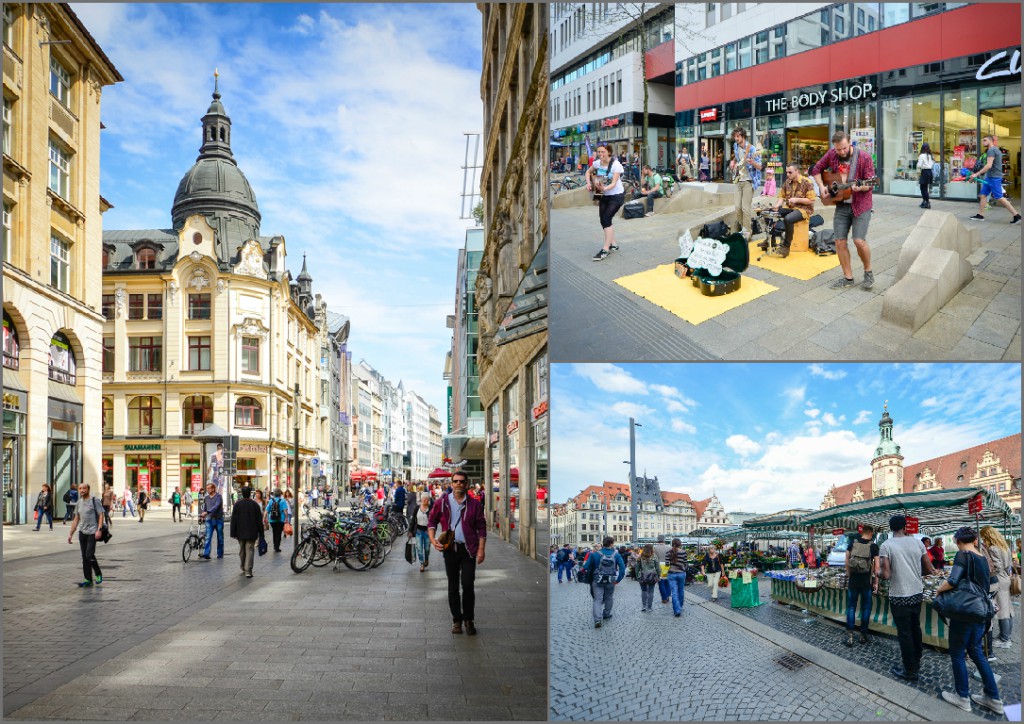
63, 467
10, 468
1004, 124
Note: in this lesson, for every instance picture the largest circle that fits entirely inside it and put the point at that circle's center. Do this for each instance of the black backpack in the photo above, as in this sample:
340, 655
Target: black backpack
606, 570
562, 556
715, 230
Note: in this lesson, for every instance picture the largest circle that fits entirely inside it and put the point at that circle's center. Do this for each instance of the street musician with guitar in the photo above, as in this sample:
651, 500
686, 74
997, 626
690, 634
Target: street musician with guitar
849, 176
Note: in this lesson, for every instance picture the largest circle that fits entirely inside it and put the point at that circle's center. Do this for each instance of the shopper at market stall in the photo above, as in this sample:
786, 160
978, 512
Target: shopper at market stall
902, 559
648, 573
661, 550
712, 567
861, 582
605, 179
794, 554
1000, 563
938, 555
965, 637
606, 570
853, 215
676, 560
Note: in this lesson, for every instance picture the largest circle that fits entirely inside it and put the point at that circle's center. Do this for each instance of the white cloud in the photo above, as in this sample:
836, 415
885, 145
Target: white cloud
862, 417
303, 25
772, 436
682, 426
828, 372
831, 420
743, 445
930, 402
812, 412
610, 378
676, 406
631, 409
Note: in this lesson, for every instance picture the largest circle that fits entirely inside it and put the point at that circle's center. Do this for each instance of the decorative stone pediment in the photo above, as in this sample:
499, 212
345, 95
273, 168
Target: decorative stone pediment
199, 280
252, 260
252, 327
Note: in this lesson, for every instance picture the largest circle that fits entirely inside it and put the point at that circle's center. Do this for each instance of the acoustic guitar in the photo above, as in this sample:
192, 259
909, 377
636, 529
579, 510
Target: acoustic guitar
839, 190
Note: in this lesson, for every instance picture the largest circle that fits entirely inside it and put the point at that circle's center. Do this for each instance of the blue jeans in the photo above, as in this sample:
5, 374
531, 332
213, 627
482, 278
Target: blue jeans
566, 566
851, 608
423, 546
663, 589
49, 517
677, 585
214, 524
965, 640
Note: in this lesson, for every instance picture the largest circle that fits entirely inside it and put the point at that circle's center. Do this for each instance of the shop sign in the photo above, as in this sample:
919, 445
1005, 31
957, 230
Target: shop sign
583, 128
64, 411
609, 122
838, 531
913, 526
709, 115
13, 401
196, 482
150, 446
818, 98
994, 68
492, 439
253, 448
540, 409
512, 427
144, 480
975, 504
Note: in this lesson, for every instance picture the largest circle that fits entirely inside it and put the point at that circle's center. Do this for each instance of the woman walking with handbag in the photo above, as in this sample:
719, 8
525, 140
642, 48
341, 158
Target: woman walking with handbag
257, 495
419, 530
970, 579
713, 568
44, 506
648, 573
1000, 562
88, 521
926, 165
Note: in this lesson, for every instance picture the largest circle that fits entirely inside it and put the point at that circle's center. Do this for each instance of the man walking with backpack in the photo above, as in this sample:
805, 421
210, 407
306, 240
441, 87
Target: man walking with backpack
604, 569
565, 562
277, 514
861, 581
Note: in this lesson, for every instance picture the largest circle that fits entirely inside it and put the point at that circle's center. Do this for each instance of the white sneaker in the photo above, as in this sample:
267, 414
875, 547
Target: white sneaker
995, 705
1002, 645
961, 702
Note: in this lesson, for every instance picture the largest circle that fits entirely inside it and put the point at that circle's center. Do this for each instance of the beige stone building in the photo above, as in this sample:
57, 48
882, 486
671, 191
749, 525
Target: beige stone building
53, 76
511, 286
205, 324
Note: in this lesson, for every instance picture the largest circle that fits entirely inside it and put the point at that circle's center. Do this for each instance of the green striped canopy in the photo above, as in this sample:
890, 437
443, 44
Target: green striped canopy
742, 533
783, 520
934, 509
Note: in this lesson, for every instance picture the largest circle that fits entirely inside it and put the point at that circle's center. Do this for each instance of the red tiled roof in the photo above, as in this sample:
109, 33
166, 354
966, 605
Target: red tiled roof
700, 506
946, 468
670, 498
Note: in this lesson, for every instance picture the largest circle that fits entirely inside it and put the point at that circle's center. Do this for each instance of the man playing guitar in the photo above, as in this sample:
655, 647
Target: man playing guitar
856, 213
796, 202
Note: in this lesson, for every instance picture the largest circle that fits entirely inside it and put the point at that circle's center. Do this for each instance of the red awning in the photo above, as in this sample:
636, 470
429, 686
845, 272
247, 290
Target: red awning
439, 473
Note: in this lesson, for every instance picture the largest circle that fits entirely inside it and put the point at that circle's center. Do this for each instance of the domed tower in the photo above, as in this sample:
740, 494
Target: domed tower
887, 465
305, 284
216, 188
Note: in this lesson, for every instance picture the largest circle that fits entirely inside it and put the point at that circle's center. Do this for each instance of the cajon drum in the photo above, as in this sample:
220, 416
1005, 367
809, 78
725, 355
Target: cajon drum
800, 236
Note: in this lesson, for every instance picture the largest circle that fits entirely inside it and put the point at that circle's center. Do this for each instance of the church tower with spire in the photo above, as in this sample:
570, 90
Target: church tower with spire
887, 465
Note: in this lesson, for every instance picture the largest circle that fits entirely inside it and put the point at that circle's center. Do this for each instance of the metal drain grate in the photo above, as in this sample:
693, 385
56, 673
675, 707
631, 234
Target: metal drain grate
791, 661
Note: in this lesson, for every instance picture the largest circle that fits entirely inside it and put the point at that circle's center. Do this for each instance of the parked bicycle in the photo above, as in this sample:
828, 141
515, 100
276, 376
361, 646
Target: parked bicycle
195, 539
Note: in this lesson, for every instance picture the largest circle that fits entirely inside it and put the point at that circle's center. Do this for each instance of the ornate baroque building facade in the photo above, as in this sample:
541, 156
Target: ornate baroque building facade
511, 285
54, 73
206, 325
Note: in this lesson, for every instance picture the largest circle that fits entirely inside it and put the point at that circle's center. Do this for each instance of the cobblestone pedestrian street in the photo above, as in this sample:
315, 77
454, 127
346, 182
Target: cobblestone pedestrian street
718, 663
162, 639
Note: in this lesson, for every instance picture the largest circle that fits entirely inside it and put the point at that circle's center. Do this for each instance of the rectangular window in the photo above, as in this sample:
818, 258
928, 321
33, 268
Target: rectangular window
9, 25
8, 213
107, 308
108, 354
154, 306
745, 53
60, 82
8, 119
60, 263
251, 355
730, 57
60, 166
199, 353
145, 354
136, 306
198, 306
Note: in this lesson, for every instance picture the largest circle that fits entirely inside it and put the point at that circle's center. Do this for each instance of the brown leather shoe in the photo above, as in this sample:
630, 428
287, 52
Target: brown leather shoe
457, 627
470, 629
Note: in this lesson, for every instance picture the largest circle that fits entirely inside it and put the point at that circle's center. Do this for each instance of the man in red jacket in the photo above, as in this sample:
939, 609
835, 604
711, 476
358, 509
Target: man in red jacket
456, 511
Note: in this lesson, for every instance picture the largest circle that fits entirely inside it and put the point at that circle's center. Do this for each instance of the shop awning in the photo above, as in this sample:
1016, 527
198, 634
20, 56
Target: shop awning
437, 473
934, 509
13, 382
783, 520
58, 391
742, 533
528, 312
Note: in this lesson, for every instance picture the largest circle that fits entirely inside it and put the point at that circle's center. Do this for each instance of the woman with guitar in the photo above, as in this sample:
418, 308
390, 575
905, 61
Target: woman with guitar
849, 176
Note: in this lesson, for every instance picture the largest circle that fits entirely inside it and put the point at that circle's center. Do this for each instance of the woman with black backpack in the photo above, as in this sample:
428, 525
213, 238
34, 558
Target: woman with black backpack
648, 572
969, 575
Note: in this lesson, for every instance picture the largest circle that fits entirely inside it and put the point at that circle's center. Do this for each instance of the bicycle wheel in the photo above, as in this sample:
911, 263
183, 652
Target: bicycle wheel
303, 555
322, 554
357, 553
379, 553
186, 550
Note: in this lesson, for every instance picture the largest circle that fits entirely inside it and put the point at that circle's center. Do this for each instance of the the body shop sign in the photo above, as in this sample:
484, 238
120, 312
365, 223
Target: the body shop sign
799, 101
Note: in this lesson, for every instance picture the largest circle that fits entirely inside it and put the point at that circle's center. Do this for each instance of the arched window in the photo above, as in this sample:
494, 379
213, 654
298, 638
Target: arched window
144, 416
197, 413
108, 417
222, 133
63, 367
248, 412
11, 347
145, 259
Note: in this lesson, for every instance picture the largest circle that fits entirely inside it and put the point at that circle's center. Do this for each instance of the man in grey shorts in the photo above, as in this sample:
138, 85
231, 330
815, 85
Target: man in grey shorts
854, 214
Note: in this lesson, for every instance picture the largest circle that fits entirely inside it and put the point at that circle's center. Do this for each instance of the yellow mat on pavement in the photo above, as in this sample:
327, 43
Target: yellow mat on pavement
802, 265
662, 287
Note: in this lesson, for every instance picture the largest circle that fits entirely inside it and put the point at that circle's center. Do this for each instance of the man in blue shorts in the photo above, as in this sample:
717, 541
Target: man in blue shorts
993, 183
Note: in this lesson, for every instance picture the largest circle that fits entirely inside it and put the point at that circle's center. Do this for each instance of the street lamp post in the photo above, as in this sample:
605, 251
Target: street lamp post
633, 507
295, 467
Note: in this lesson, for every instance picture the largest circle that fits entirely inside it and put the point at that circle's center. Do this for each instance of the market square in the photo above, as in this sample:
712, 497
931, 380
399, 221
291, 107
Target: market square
784, 566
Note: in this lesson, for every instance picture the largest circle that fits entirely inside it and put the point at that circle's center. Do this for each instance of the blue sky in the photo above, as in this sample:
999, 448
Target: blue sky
347, 120
766, 437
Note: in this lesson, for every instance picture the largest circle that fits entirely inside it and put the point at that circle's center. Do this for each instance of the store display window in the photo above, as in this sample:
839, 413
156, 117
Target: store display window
960, 142
909, 123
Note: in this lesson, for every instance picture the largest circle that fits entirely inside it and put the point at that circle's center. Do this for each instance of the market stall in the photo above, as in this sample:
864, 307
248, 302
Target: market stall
822, 591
